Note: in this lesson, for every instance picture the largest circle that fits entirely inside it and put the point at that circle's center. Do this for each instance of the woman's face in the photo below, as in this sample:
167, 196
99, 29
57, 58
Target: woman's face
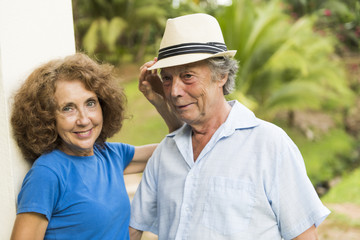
79, 118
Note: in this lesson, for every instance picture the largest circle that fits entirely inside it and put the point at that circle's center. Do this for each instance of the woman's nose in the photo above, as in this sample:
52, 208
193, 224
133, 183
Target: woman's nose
82, 117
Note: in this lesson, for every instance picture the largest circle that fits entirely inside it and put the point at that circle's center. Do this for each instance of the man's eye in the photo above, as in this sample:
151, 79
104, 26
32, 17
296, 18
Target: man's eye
164, 78
187, 76
166, 81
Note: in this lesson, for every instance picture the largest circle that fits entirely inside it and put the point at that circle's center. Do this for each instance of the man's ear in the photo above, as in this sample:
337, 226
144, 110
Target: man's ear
223, 80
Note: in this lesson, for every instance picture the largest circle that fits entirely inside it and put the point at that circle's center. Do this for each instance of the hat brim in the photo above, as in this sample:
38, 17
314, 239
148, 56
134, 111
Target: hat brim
188, 58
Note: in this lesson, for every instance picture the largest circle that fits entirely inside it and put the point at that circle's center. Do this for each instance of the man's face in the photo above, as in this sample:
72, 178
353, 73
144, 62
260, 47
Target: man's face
191, 92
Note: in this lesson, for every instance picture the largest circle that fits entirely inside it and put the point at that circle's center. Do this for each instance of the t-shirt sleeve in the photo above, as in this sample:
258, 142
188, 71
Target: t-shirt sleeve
294, 199
39, 192
126, 151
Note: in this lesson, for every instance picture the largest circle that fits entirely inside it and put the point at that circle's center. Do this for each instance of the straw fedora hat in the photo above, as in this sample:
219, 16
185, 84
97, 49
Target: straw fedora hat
191, 38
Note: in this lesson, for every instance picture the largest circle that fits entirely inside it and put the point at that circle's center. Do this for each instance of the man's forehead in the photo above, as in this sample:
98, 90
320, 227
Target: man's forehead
174, 69
181, 68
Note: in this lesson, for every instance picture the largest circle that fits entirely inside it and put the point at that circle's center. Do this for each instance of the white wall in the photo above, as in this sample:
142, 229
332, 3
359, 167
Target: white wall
31, 32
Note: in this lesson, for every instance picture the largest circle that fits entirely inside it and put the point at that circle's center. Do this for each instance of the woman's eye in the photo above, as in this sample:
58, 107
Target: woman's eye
91, 103
67, 109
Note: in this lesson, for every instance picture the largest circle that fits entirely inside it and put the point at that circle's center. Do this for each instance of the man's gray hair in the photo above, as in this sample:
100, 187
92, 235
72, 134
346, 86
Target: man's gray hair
224, 65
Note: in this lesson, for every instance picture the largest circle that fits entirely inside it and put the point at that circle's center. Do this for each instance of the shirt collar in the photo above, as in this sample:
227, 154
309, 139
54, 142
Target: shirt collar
240, 117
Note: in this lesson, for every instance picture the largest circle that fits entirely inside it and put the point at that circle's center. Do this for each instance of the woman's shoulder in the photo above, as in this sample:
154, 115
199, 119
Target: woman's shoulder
115, 151
54, 161
116, 147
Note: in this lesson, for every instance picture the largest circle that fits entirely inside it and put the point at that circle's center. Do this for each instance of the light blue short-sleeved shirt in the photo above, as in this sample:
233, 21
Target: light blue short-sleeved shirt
249, 182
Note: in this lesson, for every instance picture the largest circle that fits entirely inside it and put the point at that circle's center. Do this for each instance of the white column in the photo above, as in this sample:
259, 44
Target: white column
31, 32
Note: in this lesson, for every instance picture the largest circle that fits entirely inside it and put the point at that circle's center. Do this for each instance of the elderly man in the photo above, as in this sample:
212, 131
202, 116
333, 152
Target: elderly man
225, 174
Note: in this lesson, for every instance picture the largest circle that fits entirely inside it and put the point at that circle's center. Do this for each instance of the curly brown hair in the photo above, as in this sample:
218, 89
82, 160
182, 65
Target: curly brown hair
33, 113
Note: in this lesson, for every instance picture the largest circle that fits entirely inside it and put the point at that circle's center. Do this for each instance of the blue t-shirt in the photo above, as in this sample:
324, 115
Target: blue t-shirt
82, 197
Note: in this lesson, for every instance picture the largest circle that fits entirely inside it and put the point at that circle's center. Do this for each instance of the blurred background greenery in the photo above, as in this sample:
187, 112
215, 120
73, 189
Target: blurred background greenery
299, 68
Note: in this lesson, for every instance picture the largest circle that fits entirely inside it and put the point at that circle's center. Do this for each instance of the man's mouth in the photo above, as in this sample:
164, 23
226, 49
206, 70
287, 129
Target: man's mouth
182, 106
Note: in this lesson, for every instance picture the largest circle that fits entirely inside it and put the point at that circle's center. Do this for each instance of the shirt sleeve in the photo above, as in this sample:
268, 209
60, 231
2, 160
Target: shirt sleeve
293, 197
126, 151
144, 204
39, 192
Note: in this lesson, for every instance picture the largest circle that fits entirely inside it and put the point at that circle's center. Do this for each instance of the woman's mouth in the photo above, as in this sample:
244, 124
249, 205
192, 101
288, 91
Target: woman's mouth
84, 133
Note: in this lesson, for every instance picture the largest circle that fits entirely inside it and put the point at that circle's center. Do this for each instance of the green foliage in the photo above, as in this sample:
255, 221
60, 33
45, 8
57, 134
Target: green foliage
341, 17
284, 65
144, 124
119, 31
346, 191
104, 33
331, 155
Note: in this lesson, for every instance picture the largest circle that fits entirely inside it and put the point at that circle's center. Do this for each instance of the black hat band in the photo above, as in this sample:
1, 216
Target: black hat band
186, 48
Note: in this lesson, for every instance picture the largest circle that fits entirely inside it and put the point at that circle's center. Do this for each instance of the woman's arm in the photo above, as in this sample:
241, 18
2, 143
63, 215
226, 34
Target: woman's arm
29, 226
151, 86
141, 156
135, 234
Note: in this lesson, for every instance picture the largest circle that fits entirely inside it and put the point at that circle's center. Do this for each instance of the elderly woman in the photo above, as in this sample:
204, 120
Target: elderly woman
62, 116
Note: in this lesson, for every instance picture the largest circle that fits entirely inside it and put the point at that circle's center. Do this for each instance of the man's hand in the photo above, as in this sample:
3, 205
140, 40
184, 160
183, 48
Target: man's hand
150, 84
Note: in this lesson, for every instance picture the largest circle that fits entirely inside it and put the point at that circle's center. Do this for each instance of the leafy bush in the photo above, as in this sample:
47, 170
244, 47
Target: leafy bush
144, 125
341, 17
284, 64
346, 191
328, 156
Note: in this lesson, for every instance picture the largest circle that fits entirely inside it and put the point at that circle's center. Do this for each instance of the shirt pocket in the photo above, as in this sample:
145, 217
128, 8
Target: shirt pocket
229, 205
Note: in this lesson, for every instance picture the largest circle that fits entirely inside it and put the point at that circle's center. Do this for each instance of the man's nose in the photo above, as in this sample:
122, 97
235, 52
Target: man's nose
177, 88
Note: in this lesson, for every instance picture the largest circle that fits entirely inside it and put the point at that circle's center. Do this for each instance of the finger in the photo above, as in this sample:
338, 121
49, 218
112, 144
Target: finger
150, 63
142, 75
154, 71
144, 72
145, 88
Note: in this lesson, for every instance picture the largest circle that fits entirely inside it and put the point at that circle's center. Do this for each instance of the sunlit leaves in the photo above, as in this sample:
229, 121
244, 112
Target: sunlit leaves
103, 33
284, 64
